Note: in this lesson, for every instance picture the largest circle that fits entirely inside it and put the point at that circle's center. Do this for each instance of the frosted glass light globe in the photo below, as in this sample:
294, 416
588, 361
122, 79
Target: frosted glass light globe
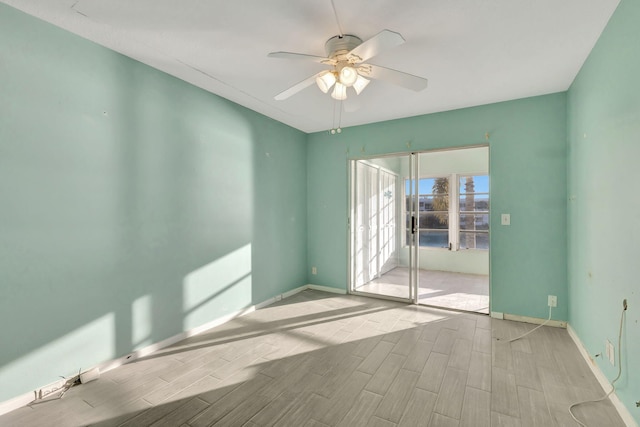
348, 76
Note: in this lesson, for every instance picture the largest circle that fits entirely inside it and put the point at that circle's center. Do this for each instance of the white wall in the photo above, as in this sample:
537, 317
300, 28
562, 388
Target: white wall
462, 161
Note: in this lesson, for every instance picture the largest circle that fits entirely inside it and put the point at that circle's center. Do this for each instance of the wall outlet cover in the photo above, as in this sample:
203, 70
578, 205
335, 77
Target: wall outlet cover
611, 353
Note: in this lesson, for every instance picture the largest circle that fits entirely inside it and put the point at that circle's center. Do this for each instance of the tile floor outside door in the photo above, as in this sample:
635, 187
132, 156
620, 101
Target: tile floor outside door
446, 289
319, 359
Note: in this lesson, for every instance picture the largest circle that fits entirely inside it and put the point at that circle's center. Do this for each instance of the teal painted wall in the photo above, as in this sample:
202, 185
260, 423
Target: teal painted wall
603, 207
528, 180
133, 206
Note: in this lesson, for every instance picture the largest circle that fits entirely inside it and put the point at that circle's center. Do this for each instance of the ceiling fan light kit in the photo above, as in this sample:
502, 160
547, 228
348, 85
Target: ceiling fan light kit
343, 73
325, 81
347, 54
339, 92
360, 84
348, 75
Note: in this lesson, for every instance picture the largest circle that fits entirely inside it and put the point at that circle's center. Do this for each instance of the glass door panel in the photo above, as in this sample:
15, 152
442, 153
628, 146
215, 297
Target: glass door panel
380, 259
453, 245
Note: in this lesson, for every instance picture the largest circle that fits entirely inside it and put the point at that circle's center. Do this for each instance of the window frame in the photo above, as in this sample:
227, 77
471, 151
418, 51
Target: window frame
454, 212
447, 212
461, 212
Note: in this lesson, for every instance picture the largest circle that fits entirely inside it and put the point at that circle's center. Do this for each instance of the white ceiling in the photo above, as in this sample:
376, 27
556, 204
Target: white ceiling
473, 52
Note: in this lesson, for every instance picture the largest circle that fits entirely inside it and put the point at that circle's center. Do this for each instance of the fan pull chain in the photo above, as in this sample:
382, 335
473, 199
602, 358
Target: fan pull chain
335, 12
333, 117
335, 129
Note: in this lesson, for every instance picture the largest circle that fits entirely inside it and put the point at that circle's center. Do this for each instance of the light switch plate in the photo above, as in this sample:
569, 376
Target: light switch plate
506, 219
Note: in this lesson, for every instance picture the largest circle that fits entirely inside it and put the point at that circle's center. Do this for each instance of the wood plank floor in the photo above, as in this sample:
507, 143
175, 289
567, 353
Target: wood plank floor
318, 359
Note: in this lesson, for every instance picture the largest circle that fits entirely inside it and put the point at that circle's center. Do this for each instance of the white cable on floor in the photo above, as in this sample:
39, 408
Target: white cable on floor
534, 329
613, 387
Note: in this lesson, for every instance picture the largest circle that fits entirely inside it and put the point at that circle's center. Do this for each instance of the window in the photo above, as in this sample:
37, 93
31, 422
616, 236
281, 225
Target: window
451, 214
473, 210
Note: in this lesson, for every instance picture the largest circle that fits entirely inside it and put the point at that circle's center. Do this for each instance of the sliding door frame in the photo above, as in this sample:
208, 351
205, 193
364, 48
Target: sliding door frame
414, 248
351, 226
415, 212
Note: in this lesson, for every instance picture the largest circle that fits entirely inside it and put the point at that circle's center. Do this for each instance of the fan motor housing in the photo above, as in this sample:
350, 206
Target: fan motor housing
341, 45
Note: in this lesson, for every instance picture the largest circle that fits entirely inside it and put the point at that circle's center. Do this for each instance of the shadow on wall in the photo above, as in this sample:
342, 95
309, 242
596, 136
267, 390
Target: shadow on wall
119, 198
134, 206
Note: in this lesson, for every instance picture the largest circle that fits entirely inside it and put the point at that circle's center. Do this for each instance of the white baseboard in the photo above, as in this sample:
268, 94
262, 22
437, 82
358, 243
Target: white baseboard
295, 291
602, 379
17, 402
526, 319
107, 366
267, 302
30, 397
534, 320
33, 396
327, 289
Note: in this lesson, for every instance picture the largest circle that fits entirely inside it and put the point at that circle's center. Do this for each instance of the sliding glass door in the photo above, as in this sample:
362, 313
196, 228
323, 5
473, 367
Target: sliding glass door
453, 244
380, 260
419, 228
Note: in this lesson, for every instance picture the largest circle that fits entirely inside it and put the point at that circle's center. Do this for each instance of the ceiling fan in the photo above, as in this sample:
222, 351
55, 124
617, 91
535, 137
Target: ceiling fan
346, 57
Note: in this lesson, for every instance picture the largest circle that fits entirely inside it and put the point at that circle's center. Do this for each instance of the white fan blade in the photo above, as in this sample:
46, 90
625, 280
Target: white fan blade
299, 56
385, 39
297, 87
399, 78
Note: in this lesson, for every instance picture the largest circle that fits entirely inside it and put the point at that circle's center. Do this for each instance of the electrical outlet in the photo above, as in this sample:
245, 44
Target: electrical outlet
611, 353
552, 301
314, 270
